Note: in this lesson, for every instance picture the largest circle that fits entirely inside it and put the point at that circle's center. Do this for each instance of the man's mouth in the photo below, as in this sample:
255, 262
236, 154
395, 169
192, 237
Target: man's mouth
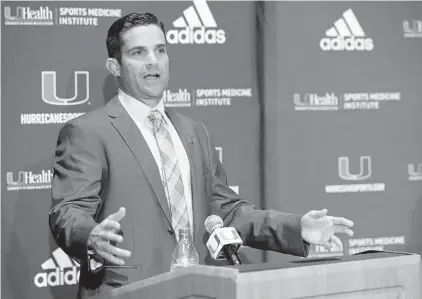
152, 76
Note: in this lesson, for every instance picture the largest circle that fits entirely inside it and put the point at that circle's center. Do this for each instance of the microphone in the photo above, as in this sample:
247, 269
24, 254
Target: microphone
224, 242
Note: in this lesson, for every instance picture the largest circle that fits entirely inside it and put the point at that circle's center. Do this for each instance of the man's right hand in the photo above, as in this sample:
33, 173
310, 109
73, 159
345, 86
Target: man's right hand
106, 232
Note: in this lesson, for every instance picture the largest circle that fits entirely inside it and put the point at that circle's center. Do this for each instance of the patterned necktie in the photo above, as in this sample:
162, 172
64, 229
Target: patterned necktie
172, 178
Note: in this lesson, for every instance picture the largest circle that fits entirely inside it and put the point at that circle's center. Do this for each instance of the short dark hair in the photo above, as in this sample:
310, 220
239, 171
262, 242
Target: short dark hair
126, 22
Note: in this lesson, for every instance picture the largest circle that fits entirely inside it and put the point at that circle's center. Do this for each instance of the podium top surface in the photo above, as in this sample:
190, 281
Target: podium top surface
237, 282
291, 275
304, 262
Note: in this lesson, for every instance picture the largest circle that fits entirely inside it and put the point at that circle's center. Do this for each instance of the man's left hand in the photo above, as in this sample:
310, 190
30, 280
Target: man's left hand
319, 229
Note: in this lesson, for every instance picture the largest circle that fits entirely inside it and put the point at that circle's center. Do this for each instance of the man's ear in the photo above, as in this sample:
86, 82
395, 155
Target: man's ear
113, 66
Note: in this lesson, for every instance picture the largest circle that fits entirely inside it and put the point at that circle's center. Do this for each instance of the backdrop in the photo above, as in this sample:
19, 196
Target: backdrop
342, 93
317, 103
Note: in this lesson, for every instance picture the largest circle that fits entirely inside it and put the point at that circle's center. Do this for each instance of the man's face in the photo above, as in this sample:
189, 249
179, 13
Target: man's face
145, 63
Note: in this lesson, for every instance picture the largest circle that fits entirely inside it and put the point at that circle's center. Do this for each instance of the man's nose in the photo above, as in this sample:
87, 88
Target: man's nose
152, 58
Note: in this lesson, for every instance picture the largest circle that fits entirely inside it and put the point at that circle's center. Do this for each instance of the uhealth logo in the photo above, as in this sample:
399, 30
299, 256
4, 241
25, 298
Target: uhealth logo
28, 180
412, 29
346, 35
59, 270
49, 89
28, 16
316, 102
196, 21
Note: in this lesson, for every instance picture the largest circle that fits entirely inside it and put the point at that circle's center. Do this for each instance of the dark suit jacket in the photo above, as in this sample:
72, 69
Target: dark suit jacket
103, 163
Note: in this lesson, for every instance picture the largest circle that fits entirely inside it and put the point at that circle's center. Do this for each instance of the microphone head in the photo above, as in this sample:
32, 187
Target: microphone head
212, 222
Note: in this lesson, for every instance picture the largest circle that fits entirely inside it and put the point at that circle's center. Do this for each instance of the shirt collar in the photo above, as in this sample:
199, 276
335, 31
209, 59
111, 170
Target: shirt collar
138, 110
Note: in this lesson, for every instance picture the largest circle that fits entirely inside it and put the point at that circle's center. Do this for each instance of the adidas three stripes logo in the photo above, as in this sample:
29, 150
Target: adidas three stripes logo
196, 26
346, 35
59, 270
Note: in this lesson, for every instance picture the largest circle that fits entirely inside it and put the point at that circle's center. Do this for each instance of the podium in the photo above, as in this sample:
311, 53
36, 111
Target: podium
371, 275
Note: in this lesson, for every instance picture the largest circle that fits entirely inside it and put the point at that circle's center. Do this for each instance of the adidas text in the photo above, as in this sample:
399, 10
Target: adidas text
196, 36
346, 44
58, 277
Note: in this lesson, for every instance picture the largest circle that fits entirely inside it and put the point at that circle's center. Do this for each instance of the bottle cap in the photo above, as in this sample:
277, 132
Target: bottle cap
183, 231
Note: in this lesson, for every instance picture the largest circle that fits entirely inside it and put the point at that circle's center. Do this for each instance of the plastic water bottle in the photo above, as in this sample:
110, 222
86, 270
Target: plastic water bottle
184, 254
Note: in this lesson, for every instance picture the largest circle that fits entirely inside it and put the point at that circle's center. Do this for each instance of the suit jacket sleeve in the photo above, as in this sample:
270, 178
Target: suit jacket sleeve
78, 170
260, 229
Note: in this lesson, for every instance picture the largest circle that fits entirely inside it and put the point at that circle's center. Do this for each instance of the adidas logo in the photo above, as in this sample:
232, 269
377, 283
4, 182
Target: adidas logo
346, 35
59, 270
195, 21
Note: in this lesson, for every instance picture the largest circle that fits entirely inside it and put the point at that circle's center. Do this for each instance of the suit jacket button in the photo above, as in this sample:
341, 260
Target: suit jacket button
171, 231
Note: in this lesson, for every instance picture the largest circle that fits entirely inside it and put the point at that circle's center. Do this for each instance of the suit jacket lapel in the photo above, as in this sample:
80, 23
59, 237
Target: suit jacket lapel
130, 133
187, 136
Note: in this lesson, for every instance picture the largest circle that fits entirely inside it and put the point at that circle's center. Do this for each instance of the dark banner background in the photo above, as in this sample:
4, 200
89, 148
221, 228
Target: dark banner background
342, 127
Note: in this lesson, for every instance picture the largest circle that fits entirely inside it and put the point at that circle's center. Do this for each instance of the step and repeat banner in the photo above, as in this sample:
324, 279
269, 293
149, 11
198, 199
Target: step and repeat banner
53, 69
343, 110
341, 87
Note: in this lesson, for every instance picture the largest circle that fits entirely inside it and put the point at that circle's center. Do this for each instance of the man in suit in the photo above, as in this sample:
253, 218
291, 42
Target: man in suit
128, 175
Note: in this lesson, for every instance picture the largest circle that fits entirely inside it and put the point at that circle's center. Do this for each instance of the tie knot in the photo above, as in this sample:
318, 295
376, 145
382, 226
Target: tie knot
155, 115
156, 118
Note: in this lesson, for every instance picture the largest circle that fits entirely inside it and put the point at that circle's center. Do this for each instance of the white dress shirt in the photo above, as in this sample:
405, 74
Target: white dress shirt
139, 112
